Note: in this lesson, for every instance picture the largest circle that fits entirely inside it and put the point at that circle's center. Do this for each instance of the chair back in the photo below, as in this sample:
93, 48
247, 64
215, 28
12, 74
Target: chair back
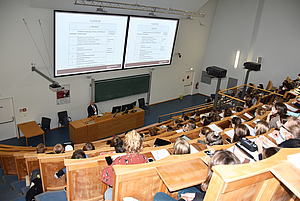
63, 118
46, 124
141, 102
269, 86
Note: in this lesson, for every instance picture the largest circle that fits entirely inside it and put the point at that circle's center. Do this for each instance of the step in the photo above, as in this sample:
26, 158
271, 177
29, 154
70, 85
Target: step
52, 195
24, 190
18, 185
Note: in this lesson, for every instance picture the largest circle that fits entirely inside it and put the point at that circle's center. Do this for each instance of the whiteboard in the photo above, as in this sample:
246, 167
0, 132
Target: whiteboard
6, 110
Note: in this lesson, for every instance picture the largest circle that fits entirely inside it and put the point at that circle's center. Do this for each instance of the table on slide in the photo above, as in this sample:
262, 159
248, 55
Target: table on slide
94, 128
30, 129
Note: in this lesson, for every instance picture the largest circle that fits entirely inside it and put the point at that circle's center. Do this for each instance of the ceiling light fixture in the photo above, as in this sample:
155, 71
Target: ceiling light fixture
137, 7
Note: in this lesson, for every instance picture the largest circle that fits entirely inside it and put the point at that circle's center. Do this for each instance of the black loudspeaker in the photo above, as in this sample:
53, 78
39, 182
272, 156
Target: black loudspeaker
252, 66
216, 71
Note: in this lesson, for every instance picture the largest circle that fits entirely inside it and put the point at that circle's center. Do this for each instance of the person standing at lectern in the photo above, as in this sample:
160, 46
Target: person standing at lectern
92, 109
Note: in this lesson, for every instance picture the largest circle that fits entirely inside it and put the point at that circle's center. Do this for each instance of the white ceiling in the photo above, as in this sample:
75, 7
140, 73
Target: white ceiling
188, 5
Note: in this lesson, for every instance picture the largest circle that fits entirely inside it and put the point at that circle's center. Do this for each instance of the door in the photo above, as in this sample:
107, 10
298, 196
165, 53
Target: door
8, 126
188, 83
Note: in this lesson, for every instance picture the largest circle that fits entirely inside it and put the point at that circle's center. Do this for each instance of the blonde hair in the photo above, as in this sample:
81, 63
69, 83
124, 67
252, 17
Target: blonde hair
181, 146
262, 127
133, 142
213, 138
58, 149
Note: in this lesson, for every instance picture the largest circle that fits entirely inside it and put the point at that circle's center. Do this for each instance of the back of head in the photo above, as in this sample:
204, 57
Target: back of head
236, 120
220, 157
119, 148
281, 108
238, 109
133, 142
181, 146
170, 129
207, 121
153, 131
179, 126
41, 148
177, 121
213, 138
269, 106
268, 152
215, 115
260, 111
185, 118
204, 130
88, 147
283, 118
115, 141
78, 154
240, 131
278, 99
192, 124
227, 112
58, 148
248, 103
262, 127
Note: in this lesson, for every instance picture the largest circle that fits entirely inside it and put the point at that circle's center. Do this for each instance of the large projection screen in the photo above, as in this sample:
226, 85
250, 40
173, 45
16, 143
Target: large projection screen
88, 42
150, 41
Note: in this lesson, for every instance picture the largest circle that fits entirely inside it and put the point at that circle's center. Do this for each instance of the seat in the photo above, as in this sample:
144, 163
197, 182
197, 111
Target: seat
63, 118
270, 86
142, 104
45, 124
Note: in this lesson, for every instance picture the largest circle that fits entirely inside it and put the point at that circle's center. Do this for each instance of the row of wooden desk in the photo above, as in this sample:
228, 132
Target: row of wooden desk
94, 128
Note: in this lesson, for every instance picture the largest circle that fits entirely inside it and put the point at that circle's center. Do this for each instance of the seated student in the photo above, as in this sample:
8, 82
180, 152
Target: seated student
185, 118
179, 128
269, 106
202, 118
265, 153
191, 125
133, 145
119, 146
197, 193
181, 146
278, 99
296, 102
41, 148
177, 121
77, 154
289, 132
282, 120
88, 147
204, 130
239, 109
58, 149
227, 112
235, 121
214, 114
260, 86
259, 112
207, 121
170, 129
153, 131
213, 138
261, 127
277, 110
240, 131
248, 103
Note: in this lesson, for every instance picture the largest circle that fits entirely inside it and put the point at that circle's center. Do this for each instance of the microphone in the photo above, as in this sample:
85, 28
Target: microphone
116, 113
125, 111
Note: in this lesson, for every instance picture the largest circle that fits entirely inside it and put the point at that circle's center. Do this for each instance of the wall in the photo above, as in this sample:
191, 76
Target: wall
266, 28
30, 90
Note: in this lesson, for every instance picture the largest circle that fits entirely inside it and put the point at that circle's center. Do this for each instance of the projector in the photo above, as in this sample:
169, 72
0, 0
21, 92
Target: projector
216, 71
252, 66
55, 87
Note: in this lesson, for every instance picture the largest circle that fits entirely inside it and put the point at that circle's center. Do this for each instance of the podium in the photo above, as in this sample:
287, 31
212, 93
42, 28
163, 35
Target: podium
95, 128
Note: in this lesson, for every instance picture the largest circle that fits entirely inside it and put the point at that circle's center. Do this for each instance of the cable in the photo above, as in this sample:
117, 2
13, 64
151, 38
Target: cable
46, 46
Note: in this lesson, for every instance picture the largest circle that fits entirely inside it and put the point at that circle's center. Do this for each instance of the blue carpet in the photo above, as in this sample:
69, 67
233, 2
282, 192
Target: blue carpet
24, 190
18, 185
21, 198
52, 196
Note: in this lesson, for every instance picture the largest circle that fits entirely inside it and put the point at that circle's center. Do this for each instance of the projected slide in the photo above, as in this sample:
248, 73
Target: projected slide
87, 42
150, 41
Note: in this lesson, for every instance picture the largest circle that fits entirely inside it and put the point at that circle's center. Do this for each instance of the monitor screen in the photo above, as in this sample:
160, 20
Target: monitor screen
88, 42
116, 109
150, 41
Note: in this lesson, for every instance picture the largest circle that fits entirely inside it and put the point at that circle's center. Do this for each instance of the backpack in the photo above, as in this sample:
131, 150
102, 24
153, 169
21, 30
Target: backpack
35, 174
35, 189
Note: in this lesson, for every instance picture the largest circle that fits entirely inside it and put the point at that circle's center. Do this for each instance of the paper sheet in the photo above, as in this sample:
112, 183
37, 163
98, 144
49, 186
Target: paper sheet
193, 149
214, 127
291, 108
230, 133
256, 121
160, 154
251, 130
222, 114
241, 155
295, 159
248, 115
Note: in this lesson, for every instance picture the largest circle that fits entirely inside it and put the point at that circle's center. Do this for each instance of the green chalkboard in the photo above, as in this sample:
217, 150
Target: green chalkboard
121, 87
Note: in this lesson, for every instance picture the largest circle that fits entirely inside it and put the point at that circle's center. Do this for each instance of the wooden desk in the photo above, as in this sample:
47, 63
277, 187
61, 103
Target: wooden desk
289, 175
94, 128
30, 129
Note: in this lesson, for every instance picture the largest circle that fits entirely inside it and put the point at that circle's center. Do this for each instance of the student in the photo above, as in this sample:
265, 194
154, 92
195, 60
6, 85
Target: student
261, 127
213, 138
239, 109
204, 130
197, 193
191, 125
248, 103
170, 129
115, 140
259, 112
153, 131
235, 121
227, 112
214, 115
207, 121
41, 148
88, 147
278, 110
181, 146
58, 149
240, 131
133, 146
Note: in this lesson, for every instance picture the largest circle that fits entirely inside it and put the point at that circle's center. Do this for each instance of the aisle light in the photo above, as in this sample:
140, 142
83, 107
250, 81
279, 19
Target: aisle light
237, 57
